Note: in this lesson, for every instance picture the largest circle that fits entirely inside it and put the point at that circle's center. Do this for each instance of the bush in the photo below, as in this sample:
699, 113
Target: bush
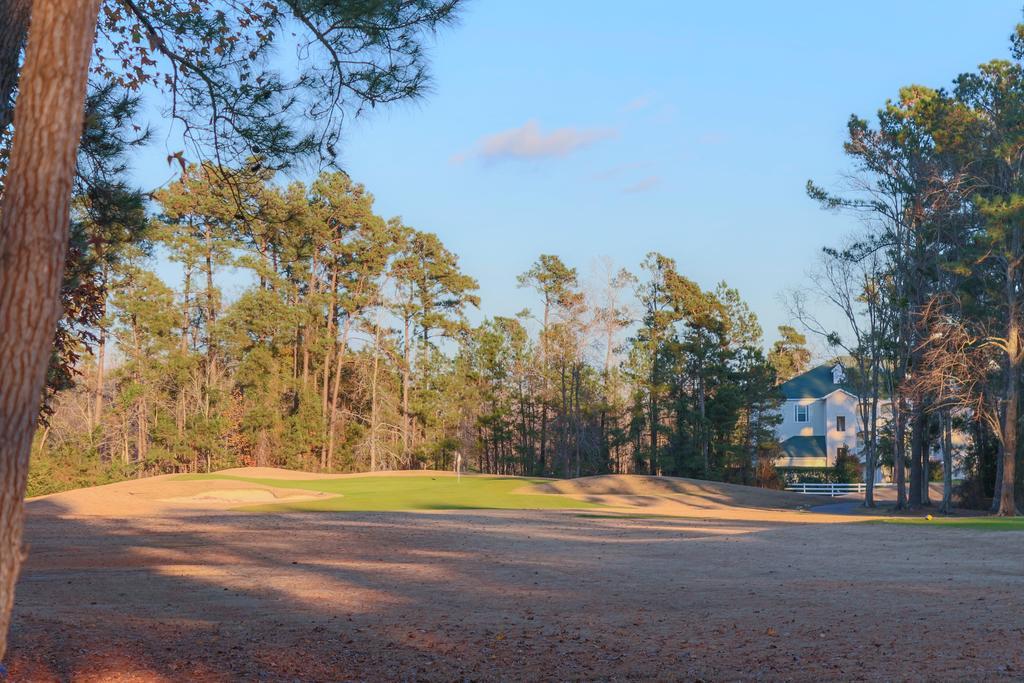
767, 475
807, 475
848, 469
970, 494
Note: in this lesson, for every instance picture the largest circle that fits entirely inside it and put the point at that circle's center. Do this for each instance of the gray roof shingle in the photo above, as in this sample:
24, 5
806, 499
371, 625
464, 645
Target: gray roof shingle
815, 383
804, 447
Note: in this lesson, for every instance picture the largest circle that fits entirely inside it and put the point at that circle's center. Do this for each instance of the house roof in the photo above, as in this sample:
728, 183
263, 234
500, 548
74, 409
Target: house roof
804, 447
815, 383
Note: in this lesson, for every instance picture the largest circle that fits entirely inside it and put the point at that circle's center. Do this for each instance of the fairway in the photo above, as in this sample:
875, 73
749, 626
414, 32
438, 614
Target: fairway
975, 523
402, 493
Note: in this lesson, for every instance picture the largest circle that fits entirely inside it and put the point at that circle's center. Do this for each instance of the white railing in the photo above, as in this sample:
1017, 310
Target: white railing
831, 490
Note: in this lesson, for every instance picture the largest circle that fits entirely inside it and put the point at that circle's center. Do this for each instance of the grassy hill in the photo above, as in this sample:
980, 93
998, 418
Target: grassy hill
392, 493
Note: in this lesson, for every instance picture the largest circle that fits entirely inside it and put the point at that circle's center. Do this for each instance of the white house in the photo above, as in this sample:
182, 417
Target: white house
819, 418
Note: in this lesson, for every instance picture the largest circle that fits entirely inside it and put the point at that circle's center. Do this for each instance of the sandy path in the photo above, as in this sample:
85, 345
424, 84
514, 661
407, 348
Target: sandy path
213, 596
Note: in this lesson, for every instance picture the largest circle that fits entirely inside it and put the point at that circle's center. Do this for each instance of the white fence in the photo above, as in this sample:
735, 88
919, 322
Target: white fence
832, 490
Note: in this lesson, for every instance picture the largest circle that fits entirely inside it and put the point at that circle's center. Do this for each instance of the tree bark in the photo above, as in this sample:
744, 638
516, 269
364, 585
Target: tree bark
899, 454
14, 15
917, 448
96, 415
702, 410
947, 462
332, 313
373, 397
926, 461
406, 372
211, 317
998, 484
653, 408
332, 421
33, 243
1007, 502
101, 359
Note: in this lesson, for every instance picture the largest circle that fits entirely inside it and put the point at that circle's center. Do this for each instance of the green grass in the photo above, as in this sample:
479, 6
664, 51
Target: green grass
395, 493
977, 523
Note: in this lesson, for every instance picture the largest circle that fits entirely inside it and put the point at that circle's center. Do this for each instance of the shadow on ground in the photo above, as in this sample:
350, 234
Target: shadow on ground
500, 595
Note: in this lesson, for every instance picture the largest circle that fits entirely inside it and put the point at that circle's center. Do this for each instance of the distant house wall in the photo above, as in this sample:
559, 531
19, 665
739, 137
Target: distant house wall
815, 426
840, 404
786, 461
827, 400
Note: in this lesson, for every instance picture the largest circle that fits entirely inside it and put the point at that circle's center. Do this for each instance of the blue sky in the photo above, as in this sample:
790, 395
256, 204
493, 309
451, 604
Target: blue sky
591, 129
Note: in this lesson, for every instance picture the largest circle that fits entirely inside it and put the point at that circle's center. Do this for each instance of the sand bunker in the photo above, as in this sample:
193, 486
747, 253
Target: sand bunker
692, 491
169, 491
242, 496
673, 495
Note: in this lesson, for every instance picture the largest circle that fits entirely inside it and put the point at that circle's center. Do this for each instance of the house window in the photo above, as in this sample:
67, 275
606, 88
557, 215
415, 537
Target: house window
802, 413
840, 423
842, 452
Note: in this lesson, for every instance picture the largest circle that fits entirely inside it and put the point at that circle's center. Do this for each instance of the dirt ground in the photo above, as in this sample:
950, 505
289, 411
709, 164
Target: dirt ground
192, 592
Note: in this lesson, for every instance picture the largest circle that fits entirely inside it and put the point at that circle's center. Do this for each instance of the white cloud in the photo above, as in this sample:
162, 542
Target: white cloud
530, 142
647, 183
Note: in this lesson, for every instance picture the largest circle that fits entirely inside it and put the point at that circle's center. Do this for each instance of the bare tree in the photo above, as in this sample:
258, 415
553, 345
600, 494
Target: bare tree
852, 284
959, 373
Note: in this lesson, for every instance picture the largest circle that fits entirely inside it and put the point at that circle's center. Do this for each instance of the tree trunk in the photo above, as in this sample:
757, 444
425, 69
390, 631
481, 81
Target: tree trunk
544, 388
306, 331
211, 318
654, 433
899, 455
406, 372
871, 433
926, 460
917, 449
101, 348
1007, 501
101, 355
1006, 497
543, 436
563, 422
947, 462
869, 477
332, 313
702, 409
333, 419
577, 420
14, 17
373, 398
33, 243
998, 484
654, 408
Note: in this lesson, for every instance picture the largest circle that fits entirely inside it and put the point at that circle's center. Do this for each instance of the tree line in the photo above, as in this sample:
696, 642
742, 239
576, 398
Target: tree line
212, 69
932, 288
353, 350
